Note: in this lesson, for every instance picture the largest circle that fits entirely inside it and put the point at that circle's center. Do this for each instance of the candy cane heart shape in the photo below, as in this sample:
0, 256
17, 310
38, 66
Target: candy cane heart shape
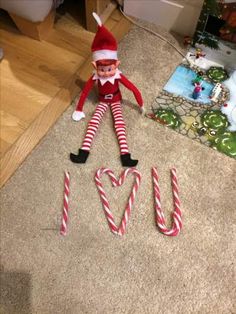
176, 215
107, 210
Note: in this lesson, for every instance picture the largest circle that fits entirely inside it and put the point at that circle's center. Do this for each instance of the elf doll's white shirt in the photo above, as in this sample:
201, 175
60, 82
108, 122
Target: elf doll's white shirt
107, 79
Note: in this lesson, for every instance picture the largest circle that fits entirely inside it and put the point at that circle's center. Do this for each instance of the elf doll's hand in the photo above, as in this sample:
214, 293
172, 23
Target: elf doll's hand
78, 115
142, 110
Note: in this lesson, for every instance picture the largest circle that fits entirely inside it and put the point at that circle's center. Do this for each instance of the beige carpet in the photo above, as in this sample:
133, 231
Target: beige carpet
93, 271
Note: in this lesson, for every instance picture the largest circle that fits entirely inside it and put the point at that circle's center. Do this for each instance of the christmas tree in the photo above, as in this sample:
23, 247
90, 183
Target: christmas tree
225, 14
228, 31
202, 37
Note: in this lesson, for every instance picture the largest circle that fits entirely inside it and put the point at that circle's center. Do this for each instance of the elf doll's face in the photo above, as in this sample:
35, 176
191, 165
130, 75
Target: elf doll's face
104, 70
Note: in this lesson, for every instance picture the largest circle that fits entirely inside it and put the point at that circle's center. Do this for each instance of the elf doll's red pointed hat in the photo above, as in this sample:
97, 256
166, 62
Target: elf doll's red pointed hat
104, 45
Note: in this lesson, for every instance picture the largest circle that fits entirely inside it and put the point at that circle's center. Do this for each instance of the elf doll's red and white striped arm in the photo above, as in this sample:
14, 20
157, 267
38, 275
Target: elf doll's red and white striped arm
132, 88
78, 113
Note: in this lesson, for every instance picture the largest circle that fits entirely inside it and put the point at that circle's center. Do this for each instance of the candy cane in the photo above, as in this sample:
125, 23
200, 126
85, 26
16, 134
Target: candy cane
64, 223
176, 215
122, 228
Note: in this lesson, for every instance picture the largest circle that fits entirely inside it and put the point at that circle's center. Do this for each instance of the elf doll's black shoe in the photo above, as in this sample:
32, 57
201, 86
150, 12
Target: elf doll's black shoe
80, 158
127, 161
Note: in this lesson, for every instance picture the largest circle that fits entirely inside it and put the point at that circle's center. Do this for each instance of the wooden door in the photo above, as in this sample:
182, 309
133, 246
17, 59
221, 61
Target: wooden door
103, 8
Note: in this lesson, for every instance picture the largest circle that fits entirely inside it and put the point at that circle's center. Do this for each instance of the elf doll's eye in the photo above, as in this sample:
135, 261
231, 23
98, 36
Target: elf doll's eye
109, 70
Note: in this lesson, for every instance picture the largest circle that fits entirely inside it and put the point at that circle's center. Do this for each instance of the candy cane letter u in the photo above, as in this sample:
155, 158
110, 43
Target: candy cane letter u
176, 215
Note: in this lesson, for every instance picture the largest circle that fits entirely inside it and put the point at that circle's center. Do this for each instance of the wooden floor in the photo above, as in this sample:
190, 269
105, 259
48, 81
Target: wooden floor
40, 79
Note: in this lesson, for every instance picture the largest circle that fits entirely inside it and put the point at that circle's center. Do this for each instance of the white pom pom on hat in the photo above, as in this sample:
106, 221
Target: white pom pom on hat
97, 18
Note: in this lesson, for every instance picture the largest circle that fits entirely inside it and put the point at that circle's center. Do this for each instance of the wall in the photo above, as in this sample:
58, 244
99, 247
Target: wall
180, 16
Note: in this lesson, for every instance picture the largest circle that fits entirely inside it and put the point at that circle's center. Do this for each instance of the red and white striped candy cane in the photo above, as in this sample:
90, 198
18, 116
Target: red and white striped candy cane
122, 228
176, 215
64, 222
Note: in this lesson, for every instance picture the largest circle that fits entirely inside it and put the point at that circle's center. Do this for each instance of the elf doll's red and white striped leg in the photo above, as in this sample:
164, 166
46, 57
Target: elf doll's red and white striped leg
120, 128
89, 136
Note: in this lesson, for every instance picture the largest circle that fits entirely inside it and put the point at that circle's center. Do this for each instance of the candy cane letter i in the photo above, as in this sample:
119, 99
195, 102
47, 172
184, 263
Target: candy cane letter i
176, 215
64, 222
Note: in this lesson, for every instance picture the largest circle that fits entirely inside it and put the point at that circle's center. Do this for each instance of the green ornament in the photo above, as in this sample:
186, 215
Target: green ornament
214, 119
217, 74
169, 117
225, 143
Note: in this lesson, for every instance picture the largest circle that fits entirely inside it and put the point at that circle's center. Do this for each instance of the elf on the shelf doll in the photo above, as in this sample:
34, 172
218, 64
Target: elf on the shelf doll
107, 78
